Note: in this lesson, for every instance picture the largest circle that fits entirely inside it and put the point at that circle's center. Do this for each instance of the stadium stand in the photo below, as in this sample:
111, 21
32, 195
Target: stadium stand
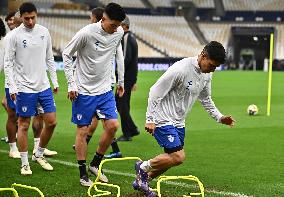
197, 3
221, 32
126, 3
161, 3
252, 5
203, 3
168, 33
63, 29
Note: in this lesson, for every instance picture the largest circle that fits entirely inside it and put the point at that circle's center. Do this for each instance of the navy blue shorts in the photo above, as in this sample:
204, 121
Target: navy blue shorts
170, 137
27, 103
85, 107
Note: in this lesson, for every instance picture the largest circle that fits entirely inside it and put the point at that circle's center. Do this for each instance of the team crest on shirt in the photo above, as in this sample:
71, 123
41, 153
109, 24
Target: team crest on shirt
24, 108
97, 45
171, 138
42, 37
189, 83
79, 116
25, 43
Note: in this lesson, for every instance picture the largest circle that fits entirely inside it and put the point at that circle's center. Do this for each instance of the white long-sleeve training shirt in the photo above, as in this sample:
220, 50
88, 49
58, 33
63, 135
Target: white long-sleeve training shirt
96, 50
1, 54
5, 43
173, 95
119, 66
27, 53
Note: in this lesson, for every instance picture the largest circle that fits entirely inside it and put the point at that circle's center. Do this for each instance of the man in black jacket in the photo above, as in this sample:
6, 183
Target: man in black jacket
130, 51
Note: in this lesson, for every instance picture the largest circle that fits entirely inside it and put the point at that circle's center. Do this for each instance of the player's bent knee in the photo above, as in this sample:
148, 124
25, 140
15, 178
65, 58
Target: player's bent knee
24, 126
112, 126
51, 124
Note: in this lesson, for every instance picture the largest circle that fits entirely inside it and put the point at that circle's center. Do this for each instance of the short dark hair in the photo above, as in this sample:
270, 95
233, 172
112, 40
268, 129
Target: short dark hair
98, 13
27, 7
115, 12
215, 51
2, 29
9, 16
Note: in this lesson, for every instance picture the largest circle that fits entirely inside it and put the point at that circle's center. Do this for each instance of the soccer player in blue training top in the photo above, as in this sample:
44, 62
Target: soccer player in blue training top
27, 55
170, 98
89, 86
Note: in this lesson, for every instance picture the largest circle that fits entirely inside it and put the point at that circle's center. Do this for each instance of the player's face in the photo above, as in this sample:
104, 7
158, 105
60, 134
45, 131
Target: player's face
110, 26
206, 64
29, 19
10, 23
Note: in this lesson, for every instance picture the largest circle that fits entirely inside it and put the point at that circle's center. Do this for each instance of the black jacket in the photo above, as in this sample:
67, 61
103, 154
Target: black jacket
130, 58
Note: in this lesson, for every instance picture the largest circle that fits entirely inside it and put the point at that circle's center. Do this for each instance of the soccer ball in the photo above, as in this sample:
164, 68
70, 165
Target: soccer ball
252, 110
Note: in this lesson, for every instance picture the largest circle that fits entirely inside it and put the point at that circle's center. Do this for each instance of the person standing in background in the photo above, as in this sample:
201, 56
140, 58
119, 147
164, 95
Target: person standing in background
130, 52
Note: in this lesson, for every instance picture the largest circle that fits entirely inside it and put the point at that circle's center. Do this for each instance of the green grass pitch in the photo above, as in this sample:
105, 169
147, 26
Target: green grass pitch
247, 159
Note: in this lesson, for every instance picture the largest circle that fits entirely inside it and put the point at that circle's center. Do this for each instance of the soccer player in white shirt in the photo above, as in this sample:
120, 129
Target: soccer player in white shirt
27, 53
89, 87
96, 16
10, 107
170, 99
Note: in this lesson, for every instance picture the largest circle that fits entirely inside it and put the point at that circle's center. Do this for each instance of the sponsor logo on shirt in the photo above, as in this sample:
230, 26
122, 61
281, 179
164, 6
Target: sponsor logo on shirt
171, 138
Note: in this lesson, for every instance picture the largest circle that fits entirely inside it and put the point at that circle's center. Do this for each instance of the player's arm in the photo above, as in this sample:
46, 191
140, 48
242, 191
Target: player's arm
77, 42
120, 70
9, 57
207, 102
1, 58
157, 92
51, 64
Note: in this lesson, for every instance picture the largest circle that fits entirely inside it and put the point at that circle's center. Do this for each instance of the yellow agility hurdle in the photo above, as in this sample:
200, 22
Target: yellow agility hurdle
10, 189
28, 187
97, 182
190, 177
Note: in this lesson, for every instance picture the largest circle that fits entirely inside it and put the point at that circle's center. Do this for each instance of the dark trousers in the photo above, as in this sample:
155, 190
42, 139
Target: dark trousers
128, 127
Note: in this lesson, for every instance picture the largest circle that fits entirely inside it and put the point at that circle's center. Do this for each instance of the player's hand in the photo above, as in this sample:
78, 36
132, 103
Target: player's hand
228, 120
55, 90
13, 96
150, 128
134, 87
72, 95
120, 91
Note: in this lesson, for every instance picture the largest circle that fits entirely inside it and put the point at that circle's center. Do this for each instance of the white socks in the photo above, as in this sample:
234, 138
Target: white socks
13, 146
24, 158
146, 166
36, 142
39, 152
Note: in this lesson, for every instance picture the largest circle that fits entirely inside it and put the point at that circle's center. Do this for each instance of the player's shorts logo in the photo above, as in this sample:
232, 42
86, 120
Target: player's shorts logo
171, 138
79, 116
24, 108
